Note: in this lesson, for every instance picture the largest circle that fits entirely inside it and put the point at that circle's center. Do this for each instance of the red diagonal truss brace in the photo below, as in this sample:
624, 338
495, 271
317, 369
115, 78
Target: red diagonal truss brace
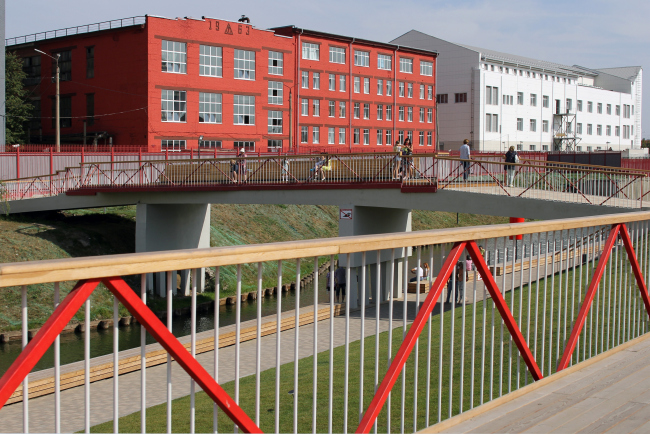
619, 229
420, 320
71, 304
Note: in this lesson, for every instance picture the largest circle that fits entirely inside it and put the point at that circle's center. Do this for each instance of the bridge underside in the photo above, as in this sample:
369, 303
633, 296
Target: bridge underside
442, 200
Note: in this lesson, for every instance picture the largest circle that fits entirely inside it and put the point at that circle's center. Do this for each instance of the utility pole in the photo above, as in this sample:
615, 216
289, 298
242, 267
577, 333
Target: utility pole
57, 101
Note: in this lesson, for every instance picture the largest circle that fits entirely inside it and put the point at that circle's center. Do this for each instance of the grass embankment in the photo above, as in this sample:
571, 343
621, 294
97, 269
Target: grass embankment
54, 235
493, 354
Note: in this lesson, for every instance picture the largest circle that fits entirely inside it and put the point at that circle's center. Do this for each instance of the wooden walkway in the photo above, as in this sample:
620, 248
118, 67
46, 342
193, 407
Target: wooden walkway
609, 393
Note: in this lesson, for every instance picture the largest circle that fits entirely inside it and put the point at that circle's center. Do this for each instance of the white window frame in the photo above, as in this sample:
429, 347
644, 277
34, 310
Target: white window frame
331, 135
366, 85
243, 110
341, 136
244, 65
174, 57
332, 82
310, 51
426, 68
385, 62
173, 106
276, 63
304, 79
210, 108
362, 58
210, 61
276, 93
275, 122
315, 104
172, 145
315, 135
406, 65
315, 80
337, 55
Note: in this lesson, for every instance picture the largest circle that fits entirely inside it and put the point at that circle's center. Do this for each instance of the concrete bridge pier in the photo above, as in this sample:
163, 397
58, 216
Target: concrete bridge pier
365, 220
172, 227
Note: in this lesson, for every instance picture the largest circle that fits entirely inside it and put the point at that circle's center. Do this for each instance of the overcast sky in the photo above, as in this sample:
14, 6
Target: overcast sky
594, 33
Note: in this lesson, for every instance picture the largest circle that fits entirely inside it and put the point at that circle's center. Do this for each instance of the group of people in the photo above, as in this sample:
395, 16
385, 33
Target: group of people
323, 164
238, 167
511, 157
403, 166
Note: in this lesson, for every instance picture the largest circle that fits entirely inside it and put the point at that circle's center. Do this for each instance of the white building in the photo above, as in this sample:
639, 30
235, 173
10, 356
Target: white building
497, 100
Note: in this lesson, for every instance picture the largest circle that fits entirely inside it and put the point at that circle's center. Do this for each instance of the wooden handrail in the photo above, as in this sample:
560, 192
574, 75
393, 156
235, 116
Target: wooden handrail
28, 273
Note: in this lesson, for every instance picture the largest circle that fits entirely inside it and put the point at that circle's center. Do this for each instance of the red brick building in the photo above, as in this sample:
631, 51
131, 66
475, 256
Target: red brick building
156, 83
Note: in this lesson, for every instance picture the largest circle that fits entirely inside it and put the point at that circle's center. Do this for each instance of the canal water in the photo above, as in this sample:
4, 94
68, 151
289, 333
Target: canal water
101, 341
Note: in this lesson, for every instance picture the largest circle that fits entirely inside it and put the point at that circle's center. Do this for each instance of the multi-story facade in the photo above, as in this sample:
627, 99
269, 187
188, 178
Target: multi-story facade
361, 94
171, 84
497, 100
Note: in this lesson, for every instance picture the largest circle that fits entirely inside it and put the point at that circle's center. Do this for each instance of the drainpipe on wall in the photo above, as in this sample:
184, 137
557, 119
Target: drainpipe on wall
394, 90
350, 84
297, 85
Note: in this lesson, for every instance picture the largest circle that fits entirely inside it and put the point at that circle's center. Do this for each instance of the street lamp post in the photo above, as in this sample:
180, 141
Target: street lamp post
57, 100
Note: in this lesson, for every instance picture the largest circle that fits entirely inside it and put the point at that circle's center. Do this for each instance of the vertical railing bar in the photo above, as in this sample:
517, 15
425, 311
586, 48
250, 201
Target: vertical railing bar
348, 306
473, 344
215, 414
193, 350
169, 357
552, 311
461, 393
559, 293
416, 352
87, 365
57, 369
258, 341
428, 386
566, 283
143, 359
494, 275
331, 350
296, 342
521, 305
624, 291
377, 299
573, 286
442, 336
454, 285
610, 311
362, 298
536, 322
589, 252
503, 293
391, 287
484, 326
116, 365
531, 248
619, 259
25, 341
332, 285
544, 304
278, 330
405, 321
512, 308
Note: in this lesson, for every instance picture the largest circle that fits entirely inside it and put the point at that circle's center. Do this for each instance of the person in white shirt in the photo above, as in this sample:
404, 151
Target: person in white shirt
464, 155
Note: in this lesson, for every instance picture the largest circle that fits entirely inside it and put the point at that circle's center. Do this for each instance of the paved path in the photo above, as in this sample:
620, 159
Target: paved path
611, 395
72, 404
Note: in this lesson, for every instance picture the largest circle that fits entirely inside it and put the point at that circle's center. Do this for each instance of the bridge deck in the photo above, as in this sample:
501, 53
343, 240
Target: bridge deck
612, 394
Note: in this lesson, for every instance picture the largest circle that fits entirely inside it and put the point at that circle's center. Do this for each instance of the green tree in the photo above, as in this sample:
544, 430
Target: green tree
645, 143
18, 108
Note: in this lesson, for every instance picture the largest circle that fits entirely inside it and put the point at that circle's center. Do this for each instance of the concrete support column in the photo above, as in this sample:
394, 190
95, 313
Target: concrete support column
172, 227
364, 220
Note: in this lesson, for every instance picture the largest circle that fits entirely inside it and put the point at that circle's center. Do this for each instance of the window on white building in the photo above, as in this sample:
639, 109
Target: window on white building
569, 104
609, 109
608, 130
520, 124
545, 101
520, 98
579, 128
599, 130
545, 126
599, 108
533, 125
579, 105
589, 129
533, 100
590, 107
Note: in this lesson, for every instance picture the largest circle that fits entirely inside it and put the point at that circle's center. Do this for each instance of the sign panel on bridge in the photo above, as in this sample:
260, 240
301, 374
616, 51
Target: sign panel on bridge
345, 214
